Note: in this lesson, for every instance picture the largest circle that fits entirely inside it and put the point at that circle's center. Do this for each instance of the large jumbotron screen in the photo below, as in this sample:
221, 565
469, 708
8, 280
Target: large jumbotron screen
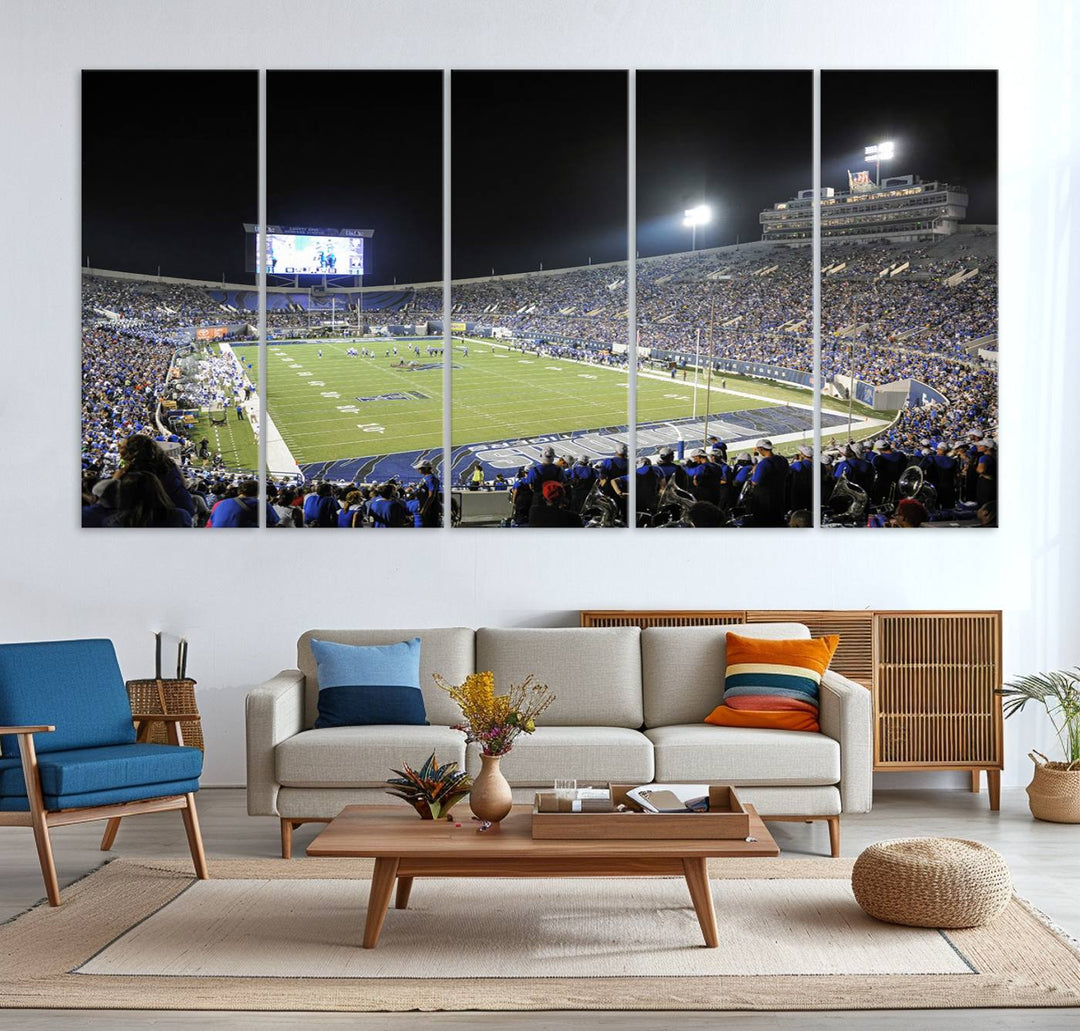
288, 254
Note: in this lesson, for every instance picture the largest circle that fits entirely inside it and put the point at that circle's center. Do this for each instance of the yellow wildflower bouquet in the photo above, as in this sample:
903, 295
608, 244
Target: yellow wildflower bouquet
494, 721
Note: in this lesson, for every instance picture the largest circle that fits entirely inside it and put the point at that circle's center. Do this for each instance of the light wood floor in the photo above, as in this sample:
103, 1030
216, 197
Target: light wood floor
1044, 858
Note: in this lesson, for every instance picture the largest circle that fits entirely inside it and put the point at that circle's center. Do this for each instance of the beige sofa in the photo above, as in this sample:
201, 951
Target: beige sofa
629, 707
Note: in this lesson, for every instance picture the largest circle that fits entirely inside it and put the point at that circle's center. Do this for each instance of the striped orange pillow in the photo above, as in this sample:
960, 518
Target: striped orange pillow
773, 684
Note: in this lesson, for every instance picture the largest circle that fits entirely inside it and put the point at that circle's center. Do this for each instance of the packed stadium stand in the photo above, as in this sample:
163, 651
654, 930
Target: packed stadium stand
894, 313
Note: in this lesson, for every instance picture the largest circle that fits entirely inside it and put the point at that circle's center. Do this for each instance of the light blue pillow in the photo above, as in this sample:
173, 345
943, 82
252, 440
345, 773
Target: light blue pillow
361, 685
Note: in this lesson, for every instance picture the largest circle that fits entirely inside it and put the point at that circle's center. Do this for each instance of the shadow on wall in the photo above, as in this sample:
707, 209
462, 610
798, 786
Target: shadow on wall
558, 618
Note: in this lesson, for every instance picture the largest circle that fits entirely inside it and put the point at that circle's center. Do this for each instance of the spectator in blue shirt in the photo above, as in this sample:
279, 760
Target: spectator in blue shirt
352, 513
986, 468
326, 509
616, 466
243, 510
429, 497
387, 510
545, 471
768, 500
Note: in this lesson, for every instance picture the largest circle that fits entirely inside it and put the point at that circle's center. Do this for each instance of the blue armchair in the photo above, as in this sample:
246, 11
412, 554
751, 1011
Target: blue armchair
68, 749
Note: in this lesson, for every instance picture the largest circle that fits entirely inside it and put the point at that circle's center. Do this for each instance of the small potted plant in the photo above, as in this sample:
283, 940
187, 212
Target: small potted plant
1054, 792
432, 790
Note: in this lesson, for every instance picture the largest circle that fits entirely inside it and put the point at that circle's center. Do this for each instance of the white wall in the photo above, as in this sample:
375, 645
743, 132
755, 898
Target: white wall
243, 598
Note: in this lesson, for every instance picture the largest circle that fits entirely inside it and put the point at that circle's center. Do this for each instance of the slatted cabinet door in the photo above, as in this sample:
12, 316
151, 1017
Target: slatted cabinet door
935, 704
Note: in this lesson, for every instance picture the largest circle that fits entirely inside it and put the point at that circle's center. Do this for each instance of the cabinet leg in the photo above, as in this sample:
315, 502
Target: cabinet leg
993, 787
975, 783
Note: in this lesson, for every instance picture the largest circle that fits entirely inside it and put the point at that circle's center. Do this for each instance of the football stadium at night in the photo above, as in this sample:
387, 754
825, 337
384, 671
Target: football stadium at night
544, 364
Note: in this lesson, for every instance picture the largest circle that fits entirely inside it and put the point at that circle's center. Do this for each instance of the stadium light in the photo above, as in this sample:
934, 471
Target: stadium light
880, 152
697, 216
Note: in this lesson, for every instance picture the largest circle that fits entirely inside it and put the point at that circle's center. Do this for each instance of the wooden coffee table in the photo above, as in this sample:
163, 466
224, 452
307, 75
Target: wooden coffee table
404, 846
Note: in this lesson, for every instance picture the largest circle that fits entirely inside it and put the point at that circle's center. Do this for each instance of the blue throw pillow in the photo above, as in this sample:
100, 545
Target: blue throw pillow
360, 685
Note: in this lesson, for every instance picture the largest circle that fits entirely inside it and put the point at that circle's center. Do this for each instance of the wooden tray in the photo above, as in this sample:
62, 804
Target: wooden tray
726, 819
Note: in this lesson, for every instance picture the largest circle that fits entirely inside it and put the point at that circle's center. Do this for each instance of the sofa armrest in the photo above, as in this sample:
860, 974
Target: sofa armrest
274, 711
846, 716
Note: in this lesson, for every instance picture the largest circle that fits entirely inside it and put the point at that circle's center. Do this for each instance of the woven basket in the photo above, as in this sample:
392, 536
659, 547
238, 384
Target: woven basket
166, 698
932, 882
1054, 791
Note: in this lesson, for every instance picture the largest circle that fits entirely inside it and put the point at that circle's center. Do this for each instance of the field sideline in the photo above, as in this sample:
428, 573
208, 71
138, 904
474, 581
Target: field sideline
339, 407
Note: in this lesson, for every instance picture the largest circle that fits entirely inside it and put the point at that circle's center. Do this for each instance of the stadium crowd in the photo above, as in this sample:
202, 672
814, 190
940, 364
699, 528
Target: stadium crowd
150, 489
888, 314
759, 487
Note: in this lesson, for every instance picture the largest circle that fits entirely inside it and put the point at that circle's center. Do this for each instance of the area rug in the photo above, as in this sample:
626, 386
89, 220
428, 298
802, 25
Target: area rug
268, 934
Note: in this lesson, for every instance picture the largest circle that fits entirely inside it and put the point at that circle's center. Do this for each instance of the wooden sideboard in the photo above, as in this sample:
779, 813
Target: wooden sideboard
934, 677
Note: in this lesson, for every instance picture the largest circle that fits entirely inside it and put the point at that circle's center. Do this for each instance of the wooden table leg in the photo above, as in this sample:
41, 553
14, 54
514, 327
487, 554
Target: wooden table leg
697, 880
404, 887
993, 788
382, 885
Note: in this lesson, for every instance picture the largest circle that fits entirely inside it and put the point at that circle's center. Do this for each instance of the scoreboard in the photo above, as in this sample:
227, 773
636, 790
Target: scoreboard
288, 255
307, 251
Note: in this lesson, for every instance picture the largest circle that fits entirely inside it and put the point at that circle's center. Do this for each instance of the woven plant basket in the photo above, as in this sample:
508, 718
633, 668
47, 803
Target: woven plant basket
932, 882
161, 697
1054, 791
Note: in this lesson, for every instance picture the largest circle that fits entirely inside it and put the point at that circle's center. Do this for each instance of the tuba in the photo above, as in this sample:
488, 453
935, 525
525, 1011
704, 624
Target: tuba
598, 509
675, 502
847, 504
912, 484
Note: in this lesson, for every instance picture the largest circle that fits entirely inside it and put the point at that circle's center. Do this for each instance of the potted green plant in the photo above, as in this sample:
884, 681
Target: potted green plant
1054, 792
432, 790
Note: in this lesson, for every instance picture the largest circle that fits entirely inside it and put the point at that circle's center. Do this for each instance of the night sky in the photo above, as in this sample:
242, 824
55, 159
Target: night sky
738, 141
539, 159
170, 171
944, 125
539, 170
361, 150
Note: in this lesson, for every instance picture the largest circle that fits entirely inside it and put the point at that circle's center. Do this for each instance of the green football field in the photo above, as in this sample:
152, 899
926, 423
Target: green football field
339, 407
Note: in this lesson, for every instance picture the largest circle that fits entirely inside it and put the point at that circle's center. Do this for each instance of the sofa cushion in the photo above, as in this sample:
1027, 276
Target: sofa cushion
74, 685
594, 673
743, 755
448, 651
773, 683
683, 667
362, 756
817, 800
364, 684
114, 796
81, 771
586, 754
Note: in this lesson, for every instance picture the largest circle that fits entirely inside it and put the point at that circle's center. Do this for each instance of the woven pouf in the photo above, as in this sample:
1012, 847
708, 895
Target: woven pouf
932, 882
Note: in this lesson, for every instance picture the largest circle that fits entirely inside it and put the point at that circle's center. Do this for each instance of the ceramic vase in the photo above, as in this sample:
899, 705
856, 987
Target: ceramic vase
490, 798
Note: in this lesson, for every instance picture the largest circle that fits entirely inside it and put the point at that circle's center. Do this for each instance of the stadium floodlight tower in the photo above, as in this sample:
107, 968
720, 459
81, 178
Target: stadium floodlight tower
880, 152
694, 217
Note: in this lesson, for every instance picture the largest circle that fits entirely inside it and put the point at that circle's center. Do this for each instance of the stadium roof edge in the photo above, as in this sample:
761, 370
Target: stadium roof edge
750, 245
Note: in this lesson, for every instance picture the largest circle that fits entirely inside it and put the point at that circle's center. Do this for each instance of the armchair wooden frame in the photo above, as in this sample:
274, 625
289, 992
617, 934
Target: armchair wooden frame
41, 819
